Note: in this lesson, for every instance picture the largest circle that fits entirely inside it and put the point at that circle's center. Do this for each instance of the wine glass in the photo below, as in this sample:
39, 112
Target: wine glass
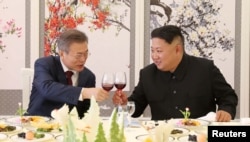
120, 80
130, 111
120, 83
107, 81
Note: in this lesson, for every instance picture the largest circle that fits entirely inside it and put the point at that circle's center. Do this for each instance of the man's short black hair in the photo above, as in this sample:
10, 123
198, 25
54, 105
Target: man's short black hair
167, 33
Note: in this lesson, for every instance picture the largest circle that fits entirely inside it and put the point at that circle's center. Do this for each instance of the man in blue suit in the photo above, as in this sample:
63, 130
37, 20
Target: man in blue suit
50, 88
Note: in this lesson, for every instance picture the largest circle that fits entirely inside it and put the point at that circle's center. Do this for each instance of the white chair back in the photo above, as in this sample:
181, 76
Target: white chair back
27, 79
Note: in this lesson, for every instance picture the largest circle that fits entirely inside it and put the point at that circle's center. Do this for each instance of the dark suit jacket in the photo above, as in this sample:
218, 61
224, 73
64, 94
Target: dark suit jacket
50, 90
196, 83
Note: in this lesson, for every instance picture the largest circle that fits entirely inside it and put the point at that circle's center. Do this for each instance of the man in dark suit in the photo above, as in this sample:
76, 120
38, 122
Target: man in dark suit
51, 89
176, 80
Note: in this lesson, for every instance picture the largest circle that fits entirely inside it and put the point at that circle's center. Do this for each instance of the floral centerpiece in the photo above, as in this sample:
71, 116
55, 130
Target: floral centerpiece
20, 111
186, 113
187, 121
90, 127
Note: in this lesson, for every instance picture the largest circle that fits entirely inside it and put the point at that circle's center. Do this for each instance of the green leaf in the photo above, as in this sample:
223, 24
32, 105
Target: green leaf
70, 135
101, 134
114, 130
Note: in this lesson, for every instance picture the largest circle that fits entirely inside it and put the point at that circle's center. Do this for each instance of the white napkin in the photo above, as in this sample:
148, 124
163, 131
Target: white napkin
245, 120
211, 116
162, 132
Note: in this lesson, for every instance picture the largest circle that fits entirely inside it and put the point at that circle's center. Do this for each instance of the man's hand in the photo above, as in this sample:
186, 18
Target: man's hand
120, 98
99, 94
223, 116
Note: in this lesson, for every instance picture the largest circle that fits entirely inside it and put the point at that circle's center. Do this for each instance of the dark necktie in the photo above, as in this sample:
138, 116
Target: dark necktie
69, 81
68, 76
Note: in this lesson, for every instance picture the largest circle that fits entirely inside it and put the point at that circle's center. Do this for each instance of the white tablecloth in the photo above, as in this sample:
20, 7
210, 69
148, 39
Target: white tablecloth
132, 133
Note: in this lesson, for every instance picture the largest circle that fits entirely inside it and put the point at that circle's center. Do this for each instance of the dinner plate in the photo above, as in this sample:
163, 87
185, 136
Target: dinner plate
59, 138
151, 124
143, 137
226, 123
18, 129
45, 138
202, 130
17, 119
3, 137
177, 123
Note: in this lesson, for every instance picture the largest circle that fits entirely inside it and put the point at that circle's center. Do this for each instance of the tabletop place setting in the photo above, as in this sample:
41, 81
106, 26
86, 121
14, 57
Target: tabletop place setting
120, 126
18, 128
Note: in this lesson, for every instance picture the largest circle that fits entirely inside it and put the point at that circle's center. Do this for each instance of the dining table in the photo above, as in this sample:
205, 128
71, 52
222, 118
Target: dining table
130, 132
139, 130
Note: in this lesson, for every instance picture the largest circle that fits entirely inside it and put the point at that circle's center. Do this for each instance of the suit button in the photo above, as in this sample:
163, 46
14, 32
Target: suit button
174, 92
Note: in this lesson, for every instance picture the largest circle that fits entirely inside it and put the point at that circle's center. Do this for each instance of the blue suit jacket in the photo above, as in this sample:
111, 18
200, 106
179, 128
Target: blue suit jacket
50, 90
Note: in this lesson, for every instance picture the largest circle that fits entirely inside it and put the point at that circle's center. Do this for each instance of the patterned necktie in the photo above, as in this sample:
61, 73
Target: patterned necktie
68, 76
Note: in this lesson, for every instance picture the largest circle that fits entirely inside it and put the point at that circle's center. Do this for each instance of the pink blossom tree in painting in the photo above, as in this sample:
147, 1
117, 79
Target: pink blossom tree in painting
8, 28
97, 14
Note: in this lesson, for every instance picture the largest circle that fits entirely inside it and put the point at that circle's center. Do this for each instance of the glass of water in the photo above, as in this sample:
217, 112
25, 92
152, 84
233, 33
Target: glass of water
130, 111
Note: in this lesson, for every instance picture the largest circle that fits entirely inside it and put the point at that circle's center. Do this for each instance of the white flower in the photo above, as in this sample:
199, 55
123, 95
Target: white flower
202, 30
61, 115
194, 36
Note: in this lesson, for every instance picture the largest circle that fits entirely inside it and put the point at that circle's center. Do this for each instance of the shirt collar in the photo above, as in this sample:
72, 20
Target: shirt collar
65, 68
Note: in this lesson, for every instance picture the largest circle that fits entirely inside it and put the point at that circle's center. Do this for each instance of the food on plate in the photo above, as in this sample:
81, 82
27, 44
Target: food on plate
148, 139
43, 126
201, 138
7, 128
176, 131
44, 129
190, 122
30, 135
31, 119
192, 138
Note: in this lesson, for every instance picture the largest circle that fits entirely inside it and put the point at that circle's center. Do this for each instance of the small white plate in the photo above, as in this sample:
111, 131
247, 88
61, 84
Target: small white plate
3, 137
59, 138
17, 119
150, 125
45, 138
141, 138
18, 129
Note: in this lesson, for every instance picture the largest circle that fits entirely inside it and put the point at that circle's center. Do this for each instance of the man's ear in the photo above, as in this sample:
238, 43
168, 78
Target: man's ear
178, 48
60, 53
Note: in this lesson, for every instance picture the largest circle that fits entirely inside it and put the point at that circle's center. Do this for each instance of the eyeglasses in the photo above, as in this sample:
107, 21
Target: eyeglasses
81, 55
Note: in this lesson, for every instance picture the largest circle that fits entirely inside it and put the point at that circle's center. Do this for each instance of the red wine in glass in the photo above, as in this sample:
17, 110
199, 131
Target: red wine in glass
107, 87
120, 86
120, 80
107, 81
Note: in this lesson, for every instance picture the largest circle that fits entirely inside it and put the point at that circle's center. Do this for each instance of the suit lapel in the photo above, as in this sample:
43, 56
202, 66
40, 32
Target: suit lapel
81, 79
60, 72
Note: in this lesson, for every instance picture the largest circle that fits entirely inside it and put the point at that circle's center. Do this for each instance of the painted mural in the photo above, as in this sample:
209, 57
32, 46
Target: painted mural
208, 30
106, 23
12, 54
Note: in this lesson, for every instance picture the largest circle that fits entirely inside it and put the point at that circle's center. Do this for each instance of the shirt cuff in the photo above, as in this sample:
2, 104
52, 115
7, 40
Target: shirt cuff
80, 96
